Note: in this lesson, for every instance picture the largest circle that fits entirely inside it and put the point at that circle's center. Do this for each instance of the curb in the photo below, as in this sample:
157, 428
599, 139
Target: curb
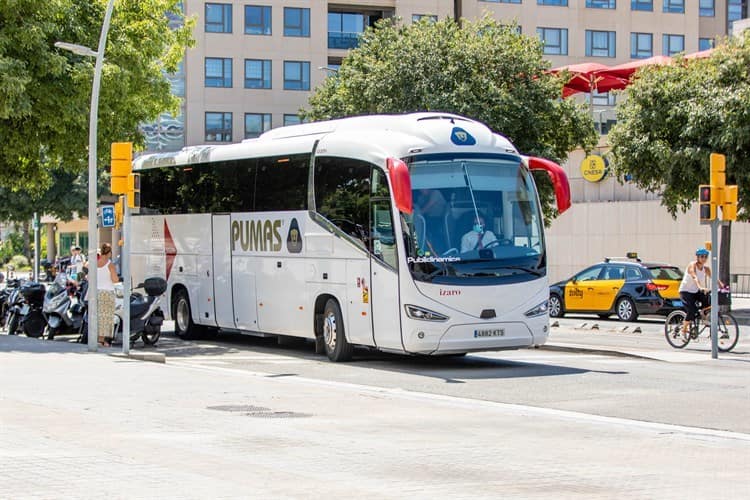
596, 350
154, 357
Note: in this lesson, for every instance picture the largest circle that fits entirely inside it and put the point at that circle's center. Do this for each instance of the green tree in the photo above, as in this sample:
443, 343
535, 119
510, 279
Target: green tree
482, 70
45, 92
675, 116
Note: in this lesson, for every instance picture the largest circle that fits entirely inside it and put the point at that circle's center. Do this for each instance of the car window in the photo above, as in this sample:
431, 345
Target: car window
589, 274
633, 274
665, 273
615, 273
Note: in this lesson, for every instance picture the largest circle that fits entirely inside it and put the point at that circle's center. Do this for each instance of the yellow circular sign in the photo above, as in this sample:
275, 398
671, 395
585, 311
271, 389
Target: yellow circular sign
593, 168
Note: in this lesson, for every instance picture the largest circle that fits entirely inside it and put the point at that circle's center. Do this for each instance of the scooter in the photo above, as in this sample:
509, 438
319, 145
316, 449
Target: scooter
5, 300
29, 316
63, 310
15, 303
146, 317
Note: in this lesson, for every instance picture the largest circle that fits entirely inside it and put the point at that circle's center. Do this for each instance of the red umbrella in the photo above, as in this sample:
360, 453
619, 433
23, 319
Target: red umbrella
700, 55
589, 77
625, 71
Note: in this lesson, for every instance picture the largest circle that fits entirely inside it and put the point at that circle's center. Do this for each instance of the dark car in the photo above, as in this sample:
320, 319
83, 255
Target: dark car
625, 287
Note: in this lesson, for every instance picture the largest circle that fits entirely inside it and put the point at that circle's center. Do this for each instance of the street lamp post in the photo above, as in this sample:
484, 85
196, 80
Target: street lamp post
93, 118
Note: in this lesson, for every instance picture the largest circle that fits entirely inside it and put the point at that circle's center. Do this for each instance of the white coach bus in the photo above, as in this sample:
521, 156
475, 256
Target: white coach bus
418, 233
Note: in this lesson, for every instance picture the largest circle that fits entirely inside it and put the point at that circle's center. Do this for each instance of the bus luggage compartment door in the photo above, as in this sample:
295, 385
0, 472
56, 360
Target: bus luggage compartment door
222, 272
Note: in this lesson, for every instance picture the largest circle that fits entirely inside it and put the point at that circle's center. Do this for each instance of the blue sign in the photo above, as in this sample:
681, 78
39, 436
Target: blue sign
108, 216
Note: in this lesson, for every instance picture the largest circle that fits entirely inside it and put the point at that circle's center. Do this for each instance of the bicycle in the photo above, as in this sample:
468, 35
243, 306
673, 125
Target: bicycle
729, 330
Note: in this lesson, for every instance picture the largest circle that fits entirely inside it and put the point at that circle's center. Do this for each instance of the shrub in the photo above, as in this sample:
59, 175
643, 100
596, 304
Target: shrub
19, 262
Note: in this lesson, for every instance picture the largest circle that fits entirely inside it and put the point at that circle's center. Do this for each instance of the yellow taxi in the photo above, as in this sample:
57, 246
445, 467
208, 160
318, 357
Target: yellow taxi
625, 287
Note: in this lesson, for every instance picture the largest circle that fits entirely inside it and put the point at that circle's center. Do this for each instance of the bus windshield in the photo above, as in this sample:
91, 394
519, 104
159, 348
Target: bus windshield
475, 218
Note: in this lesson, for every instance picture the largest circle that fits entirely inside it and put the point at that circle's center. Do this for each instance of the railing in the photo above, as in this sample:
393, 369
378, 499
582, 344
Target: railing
343, 40
740, 285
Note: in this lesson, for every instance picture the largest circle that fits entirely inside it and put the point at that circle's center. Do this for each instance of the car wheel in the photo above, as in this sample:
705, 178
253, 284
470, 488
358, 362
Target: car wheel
555, 306
626, 310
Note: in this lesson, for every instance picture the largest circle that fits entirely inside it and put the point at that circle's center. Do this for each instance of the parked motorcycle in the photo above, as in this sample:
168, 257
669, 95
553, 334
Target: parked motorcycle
15, 303
63, 309
5, 300
146, 317
27, 314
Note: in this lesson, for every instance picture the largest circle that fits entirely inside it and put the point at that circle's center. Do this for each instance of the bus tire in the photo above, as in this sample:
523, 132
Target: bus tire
337, 347
183, 319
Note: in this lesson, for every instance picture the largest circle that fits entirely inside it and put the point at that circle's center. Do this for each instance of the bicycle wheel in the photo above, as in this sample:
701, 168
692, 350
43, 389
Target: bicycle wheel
729, 332
673, 330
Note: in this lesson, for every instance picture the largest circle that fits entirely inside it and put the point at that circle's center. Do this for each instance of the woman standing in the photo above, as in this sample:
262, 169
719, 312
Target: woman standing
106, 278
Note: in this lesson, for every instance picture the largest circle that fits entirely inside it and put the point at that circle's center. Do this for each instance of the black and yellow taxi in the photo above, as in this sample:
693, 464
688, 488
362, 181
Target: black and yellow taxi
625, 287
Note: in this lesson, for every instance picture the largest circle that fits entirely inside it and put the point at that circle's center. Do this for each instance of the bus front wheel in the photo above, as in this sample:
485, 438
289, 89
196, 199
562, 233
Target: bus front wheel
183, 320
336, 346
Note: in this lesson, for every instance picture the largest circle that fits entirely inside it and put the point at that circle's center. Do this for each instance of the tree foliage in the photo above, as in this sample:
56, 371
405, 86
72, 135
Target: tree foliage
45, 92
675, 116
482, 70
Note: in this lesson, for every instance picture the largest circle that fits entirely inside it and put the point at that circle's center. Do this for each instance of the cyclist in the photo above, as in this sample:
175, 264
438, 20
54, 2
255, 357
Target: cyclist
694, 287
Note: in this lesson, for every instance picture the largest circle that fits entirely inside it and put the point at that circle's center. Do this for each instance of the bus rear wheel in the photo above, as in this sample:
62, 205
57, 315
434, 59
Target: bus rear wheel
336, 346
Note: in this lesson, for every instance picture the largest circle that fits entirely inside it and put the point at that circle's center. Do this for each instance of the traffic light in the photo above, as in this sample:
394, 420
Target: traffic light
729, 206
706, 203
122, 166
134, 190
119, 212
718, 170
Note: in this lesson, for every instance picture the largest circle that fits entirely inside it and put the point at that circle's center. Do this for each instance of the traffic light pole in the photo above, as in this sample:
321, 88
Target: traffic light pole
715, 288
125, 270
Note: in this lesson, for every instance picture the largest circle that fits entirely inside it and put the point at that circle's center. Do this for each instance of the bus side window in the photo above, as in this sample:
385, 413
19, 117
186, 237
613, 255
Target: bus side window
342, 195
383, 236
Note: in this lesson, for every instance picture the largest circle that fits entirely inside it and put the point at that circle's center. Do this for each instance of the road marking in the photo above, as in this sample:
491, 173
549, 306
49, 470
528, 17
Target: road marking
507, 408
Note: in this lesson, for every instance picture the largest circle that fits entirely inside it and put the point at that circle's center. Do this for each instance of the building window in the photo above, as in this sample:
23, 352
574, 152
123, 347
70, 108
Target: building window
292, 119
600, 43
415, 18
601, 99
558, 3
555, 40
672, 44
601, 4
674, 6
647, 5
257, 20
218, 18
296, 22
706, 8
296, 75
218, 72
256, 124
218, 127
641, 45
344, 29
705, 43
257, 74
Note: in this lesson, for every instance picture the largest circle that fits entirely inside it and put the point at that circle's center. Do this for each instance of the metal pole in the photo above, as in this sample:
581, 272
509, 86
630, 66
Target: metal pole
93, 234
125, 270
37, 250
714, 289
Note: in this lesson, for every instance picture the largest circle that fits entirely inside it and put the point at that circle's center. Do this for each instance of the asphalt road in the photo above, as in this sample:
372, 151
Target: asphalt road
682, 393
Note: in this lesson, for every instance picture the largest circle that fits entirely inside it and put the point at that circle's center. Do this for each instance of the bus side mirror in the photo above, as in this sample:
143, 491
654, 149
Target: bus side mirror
559, 180
401, 184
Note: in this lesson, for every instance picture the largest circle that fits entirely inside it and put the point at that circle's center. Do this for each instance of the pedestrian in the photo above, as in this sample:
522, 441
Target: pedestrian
76, 262
106, 277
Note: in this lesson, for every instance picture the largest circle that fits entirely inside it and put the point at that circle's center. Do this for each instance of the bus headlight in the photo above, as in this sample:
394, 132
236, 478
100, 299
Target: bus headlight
415, 312
538, 310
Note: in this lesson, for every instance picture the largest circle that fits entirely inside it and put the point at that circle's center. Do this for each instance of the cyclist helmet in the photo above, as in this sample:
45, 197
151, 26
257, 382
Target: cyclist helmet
701, 251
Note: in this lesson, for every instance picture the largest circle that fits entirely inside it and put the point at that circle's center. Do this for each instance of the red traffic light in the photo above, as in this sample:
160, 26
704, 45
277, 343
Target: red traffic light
704, 194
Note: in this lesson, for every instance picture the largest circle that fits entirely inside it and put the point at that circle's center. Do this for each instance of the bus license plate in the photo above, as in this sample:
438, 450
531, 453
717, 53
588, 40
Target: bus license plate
495, 332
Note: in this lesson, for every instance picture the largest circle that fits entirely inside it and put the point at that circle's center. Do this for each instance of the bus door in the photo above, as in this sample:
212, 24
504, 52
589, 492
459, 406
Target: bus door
222, 271
384, 289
